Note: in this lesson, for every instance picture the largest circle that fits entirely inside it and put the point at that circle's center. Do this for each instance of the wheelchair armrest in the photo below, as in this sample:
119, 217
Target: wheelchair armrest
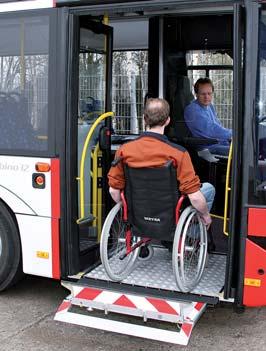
194, 141
121, 139
200, 141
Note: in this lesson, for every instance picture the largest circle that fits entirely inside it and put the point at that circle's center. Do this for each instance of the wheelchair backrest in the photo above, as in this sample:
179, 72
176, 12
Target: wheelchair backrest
152, 195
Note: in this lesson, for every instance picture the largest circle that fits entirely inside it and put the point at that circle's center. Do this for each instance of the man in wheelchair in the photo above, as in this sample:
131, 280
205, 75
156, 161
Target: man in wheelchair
146, 179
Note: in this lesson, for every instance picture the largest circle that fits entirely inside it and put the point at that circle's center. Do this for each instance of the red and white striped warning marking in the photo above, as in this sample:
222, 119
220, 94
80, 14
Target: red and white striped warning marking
104, 299
127, 300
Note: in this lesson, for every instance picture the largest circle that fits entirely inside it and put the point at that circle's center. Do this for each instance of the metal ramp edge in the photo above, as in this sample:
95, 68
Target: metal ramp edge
182, 315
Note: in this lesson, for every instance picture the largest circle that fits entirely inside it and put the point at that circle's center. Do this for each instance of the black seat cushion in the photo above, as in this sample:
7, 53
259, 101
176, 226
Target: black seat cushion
152, 195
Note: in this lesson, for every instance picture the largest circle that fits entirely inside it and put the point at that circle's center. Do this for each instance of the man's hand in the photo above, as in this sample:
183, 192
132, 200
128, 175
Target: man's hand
206, 218
198, 201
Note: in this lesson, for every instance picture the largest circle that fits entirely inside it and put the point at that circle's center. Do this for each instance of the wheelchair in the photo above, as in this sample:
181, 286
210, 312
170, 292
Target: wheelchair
151, 210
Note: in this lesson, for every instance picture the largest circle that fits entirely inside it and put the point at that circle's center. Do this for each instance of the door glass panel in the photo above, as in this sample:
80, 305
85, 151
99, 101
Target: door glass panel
257, 173
92, 101
92, 68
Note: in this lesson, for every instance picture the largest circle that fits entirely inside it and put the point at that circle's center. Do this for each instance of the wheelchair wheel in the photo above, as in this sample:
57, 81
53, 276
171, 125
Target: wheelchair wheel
189, 250
113, 246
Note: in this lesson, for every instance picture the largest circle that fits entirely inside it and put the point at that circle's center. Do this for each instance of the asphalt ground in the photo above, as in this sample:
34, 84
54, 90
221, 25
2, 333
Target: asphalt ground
26, 323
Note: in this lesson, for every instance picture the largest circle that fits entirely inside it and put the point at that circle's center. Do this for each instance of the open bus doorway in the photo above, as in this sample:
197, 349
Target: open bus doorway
168, 60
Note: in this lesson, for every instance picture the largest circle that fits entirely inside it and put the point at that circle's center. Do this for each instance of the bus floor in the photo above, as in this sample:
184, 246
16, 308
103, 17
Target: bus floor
158, 273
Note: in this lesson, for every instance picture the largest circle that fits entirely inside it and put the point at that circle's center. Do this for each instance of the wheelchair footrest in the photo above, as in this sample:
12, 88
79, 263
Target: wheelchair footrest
110, 310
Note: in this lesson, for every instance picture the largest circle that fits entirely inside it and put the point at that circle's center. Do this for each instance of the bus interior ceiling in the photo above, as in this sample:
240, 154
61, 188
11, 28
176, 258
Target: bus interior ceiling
209, 38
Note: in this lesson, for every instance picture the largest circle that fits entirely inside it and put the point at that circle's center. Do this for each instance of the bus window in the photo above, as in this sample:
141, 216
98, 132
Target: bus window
24, 84
258, 171
130, 80
91, 75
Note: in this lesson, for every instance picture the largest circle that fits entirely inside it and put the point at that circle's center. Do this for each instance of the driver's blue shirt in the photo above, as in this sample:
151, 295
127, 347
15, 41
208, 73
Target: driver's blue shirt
203, 122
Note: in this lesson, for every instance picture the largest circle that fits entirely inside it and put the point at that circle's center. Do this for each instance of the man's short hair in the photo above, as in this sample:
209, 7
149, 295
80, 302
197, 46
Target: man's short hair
202, 81
156, 112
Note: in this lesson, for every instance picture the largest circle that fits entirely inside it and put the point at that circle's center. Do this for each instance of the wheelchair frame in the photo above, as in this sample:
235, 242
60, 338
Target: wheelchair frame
184, 246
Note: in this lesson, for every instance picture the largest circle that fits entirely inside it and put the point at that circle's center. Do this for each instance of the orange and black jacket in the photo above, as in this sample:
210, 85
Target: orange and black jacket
154, 150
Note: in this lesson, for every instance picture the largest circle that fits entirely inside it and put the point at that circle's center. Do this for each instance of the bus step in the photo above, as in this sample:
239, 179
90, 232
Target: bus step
142, 316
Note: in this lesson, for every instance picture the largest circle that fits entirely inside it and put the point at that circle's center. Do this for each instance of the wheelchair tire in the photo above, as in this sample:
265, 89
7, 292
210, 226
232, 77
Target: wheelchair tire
189, 250
113, 246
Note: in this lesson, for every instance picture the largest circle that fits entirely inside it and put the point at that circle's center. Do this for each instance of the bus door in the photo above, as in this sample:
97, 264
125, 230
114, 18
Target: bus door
252, 276
232, 206
90, 99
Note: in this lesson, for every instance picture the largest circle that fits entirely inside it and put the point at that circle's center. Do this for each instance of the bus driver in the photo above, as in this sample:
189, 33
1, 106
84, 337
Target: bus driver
202, 120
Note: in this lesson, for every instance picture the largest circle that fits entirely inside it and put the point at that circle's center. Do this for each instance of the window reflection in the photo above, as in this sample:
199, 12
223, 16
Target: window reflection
258, 169
24, 46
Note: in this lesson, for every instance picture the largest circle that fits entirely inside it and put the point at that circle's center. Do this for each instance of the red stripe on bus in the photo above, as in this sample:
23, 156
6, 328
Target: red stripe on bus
257, 222
55, 187
55, 209
162, 306
55, 248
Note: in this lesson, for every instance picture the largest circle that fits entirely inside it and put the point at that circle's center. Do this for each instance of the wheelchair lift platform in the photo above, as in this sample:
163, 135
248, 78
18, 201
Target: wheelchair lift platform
138, 312
158, 273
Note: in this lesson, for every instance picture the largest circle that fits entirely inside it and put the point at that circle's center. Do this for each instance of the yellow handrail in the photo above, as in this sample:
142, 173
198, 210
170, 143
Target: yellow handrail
94, 171
227, 187
83, 157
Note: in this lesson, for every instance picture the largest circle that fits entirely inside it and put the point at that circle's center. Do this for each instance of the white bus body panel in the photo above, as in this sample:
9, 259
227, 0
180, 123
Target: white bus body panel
26, 5
36, 242
37, 211
16, 178
14, 202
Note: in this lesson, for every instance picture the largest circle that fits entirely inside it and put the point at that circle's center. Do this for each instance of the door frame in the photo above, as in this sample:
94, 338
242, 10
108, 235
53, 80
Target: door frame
72, 237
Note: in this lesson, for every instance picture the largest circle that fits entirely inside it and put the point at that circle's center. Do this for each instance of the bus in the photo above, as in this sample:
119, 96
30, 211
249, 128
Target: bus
59, 134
